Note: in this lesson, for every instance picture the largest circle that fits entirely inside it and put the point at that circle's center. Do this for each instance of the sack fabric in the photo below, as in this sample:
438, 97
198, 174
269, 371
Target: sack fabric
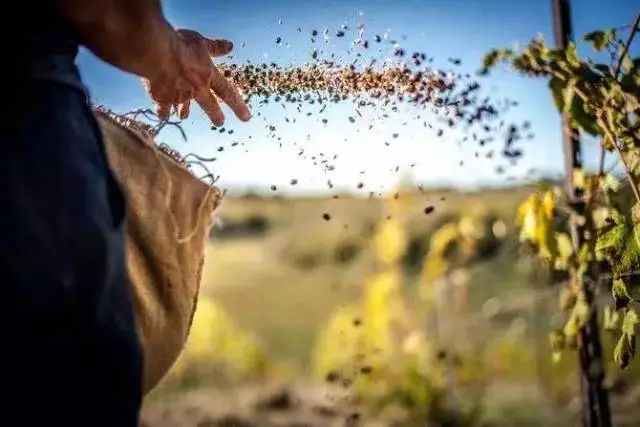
170, 213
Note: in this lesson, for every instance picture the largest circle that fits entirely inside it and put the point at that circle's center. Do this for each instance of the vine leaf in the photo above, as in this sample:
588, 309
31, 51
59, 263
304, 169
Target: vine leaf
609, 183
568, 94
565, 250
577, 319
600, 39
618, 243
610, 319
535, 217
581, 119
493, 57
625, 350
620, 295
557, 90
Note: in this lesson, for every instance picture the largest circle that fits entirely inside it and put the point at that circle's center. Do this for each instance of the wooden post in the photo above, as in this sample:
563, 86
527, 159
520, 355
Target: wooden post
594, 397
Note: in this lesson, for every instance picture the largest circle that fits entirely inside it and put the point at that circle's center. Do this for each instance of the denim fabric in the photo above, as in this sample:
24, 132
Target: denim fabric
70, 353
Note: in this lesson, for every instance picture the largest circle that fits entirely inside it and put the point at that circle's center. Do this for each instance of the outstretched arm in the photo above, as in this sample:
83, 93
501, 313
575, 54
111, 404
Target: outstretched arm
131, 34
176, 65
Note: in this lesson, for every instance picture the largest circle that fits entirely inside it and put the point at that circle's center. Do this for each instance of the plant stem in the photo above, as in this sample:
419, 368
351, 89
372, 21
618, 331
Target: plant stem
625, 48
627, 170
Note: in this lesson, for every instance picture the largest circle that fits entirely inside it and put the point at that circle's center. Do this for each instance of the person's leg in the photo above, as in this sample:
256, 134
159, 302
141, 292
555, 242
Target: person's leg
70, 350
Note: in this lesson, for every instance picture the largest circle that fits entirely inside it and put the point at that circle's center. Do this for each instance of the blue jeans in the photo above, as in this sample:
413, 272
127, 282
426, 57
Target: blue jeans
70, 353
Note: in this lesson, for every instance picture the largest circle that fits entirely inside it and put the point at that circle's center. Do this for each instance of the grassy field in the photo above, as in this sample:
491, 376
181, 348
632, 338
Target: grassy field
284, 281
281, 267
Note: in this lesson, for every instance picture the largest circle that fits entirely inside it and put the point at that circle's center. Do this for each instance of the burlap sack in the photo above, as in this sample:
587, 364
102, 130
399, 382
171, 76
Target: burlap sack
169, 217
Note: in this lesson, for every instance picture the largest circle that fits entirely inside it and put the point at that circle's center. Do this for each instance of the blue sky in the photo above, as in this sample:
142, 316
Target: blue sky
463, 29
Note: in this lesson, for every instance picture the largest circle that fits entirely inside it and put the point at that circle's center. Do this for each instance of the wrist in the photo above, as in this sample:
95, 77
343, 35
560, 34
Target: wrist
160, 53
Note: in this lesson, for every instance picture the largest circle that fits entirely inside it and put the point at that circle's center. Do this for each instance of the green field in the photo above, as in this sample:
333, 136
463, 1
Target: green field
281, 267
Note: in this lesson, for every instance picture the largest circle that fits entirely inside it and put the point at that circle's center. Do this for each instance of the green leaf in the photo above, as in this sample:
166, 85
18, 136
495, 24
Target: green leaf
565, 250
493, 58
568, 93
625, 349
632, 101
633, 160
609, 183
581, 119
630, 81
572, 55
535, 219
577, 318
620, 295
629, 323
619, 243
610, 319
557, 90
600, 39
584, 258
601, 217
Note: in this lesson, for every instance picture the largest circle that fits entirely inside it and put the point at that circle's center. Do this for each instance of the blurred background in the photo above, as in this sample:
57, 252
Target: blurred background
382, 315
390, 289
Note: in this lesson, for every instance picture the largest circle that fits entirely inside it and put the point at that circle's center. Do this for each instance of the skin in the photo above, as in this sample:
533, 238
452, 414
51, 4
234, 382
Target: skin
175, 65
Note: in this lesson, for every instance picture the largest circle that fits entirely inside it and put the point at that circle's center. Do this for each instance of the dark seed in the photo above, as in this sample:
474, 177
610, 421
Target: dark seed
366, 370
332, 376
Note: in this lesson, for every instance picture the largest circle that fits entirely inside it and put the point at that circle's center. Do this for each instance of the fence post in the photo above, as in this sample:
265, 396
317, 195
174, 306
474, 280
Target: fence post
594, 397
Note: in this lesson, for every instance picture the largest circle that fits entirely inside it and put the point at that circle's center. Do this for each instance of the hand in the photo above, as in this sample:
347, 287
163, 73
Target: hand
190, 74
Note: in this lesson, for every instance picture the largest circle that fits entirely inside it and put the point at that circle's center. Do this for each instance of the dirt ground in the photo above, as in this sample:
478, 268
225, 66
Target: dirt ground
260, 405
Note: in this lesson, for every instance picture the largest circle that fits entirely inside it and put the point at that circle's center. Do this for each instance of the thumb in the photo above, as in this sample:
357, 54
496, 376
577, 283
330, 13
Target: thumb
218, 47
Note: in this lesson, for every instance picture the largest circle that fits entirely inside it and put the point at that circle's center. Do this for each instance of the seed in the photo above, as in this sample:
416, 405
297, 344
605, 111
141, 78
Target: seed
366, 370
332, 376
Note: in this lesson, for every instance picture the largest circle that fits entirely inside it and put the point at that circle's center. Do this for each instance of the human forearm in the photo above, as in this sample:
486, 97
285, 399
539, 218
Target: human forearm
130, 34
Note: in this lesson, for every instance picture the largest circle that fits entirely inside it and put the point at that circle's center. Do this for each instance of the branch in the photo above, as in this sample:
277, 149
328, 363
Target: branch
627, 170
601, 162
625, 48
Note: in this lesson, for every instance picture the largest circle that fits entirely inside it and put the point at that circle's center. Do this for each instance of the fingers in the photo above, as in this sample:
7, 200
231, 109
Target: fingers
163, 111
215, 47
183, 110
209, 104
218, 47
229, 94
